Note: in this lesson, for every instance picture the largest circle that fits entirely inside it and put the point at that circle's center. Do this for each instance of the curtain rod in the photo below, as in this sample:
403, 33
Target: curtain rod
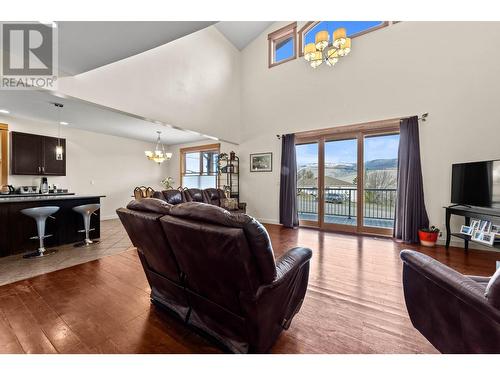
423, 118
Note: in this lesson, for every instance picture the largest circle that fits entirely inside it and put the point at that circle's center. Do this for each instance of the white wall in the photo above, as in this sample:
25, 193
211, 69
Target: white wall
115, 165
408, 68
192, 83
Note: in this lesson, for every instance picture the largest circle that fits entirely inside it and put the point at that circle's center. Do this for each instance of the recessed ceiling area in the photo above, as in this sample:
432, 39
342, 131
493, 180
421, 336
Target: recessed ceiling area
84, 46
38, 106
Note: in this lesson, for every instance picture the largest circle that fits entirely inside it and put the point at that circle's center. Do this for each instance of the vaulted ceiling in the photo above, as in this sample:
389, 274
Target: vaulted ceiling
84, 46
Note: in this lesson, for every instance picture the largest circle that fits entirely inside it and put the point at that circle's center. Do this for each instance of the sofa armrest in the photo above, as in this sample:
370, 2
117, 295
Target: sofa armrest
274, 305
290, 262
461, 286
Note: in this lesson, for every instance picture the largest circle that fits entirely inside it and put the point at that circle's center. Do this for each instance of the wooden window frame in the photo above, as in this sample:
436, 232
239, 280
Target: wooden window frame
276, 36
187, 150
359, 132
310, 24
4, 157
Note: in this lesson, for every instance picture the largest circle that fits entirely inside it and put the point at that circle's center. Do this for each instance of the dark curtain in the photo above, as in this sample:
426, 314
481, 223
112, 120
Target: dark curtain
289, 216
410, 207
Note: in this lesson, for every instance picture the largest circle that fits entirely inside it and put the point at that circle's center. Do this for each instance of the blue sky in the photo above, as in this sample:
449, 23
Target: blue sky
285, 49
381, 147
352, 27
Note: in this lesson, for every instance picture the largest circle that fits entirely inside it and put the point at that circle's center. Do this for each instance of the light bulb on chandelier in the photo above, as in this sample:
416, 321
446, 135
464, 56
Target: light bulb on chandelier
318, 52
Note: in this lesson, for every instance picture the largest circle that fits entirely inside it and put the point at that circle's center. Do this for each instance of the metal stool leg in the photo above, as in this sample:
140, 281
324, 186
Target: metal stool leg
40, 214
86, 211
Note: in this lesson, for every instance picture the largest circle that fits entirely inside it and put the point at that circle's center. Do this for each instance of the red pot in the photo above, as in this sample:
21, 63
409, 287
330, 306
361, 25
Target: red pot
428, 238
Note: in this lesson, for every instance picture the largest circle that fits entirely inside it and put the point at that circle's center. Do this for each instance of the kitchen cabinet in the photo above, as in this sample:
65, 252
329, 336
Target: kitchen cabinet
33, 154
17, 229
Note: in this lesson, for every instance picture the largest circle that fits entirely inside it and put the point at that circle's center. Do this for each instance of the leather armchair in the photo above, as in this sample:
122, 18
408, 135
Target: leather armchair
232, 286
456, 313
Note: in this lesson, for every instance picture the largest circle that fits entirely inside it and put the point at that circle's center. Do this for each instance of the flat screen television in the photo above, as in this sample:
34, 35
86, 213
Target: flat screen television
476, 184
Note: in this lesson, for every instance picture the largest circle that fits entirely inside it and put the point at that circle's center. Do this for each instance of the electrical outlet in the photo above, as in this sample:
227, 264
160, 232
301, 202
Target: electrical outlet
92, 182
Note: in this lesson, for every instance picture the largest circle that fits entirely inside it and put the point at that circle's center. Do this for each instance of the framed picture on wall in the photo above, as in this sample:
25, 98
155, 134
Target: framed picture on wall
262, 162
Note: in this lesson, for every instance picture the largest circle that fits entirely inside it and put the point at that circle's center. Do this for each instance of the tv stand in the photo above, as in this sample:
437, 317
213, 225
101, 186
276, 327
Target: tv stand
468, 212
460, 205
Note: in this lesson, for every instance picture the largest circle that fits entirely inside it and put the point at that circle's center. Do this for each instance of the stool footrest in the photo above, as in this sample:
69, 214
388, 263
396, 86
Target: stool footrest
44, 237
83, 230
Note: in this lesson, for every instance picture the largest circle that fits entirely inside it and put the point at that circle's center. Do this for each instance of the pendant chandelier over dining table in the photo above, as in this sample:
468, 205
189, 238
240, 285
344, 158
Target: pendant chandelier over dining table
321, 51
158, 155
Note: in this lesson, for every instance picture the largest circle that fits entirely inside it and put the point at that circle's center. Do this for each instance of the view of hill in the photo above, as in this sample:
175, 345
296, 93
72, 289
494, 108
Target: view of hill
381, 164
344, 174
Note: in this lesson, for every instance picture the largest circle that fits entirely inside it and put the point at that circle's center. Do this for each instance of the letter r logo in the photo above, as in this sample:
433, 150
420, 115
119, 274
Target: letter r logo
27, 49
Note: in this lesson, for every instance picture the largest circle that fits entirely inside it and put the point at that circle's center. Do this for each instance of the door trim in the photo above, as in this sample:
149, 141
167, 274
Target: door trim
4, 135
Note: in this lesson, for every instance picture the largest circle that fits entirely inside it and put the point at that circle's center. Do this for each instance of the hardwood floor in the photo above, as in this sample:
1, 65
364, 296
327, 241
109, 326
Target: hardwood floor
354, 303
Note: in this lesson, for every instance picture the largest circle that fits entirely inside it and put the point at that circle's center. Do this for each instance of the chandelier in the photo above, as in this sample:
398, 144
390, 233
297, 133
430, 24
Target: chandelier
158, 155
316, 53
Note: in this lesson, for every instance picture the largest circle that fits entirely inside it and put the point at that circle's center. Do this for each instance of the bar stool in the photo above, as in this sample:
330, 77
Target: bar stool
86, 210
40, 214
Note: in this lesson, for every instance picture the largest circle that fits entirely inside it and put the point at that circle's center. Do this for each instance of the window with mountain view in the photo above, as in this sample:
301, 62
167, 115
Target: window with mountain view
329, 191
380, 180
307, 181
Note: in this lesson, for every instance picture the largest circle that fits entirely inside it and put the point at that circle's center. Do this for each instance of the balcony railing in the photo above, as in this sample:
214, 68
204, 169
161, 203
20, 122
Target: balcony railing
378, 203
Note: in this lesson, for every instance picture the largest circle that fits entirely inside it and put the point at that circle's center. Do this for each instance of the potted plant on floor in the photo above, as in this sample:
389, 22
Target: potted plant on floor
428, 236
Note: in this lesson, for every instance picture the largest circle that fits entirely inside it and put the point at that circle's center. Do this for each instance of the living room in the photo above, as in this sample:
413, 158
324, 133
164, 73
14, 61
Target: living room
354, 164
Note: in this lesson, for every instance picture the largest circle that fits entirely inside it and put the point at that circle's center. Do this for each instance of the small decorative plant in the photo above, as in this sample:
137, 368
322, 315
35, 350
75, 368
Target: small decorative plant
168, 183
432, 229
429, 236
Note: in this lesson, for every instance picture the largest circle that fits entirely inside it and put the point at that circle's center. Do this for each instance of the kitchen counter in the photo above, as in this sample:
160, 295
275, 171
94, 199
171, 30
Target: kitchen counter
43, 197
17, 195
17, 228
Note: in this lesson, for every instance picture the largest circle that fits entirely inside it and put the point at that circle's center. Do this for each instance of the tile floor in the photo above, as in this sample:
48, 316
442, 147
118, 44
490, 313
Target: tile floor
113, 241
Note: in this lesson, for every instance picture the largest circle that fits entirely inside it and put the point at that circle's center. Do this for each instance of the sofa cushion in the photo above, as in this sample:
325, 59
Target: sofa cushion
229, 204
150, 205
213, 196
255, 232
194, 195
493, 290
172, 196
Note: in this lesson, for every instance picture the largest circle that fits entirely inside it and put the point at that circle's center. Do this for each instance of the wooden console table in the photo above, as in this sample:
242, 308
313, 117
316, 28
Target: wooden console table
489, 214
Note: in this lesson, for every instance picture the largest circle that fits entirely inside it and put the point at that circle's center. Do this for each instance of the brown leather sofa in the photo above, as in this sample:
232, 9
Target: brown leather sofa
456, 313
211, 196
216, 270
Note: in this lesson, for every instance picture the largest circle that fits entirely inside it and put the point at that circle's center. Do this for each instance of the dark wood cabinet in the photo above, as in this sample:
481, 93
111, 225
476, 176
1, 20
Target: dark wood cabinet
26, 154
16, 229
33, 154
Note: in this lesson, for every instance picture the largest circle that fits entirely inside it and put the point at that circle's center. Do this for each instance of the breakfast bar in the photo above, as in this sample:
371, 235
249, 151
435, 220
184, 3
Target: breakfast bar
64, 226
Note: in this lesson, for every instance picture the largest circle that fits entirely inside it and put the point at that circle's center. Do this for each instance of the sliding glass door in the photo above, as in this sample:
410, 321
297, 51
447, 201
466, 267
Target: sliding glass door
380, 180
308, 183
347, 180
340, 174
